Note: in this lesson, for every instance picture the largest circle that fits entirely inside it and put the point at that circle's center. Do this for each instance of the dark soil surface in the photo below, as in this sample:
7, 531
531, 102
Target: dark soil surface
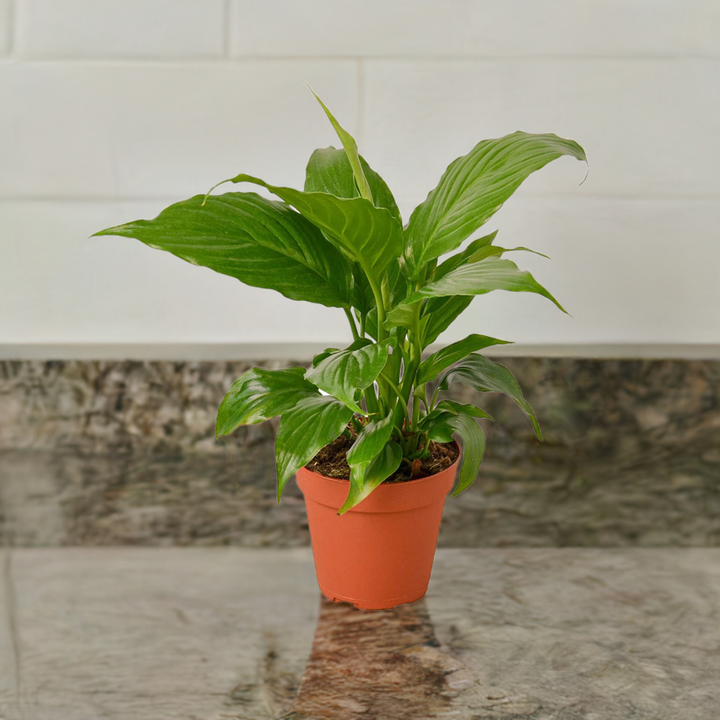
331, 461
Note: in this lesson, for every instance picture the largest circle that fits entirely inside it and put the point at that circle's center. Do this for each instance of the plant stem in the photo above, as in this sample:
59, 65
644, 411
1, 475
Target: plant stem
382, 334
399, 394
351, 320
434, 397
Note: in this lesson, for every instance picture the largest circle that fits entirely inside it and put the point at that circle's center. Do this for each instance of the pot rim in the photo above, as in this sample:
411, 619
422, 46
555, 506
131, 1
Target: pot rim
402, 483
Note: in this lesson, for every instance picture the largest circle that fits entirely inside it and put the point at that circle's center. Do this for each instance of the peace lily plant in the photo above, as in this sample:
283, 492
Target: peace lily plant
341, 242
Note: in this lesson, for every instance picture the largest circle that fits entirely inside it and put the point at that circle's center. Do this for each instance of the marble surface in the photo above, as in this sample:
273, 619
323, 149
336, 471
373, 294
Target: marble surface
61, 498
630, 411
212, 633
123, 453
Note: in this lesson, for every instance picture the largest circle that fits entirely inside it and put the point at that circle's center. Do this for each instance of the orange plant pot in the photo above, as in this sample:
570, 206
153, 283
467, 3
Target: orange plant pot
380, 553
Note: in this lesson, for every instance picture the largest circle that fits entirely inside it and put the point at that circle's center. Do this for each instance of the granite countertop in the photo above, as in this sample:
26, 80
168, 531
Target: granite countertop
62, 498
220, 633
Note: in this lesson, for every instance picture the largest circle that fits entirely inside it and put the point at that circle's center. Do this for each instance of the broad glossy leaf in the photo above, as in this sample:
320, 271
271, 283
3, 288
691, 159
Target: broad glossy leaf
259, 395
304, 430
381, 468
484, 375
345, 373
367, 234
473, 439
329, 171
480, 278
437, 362
263, 243
401, 316
473, 188
369, 442
322, 355
351, 151
441, 432
327, 352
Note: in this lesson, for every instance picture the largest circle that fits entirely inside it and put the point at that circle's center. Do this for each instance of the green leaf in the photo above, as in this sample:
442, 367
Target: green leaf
304, 430
263, 243
439, 313
259, 395
367, 234
329, 171
457, 408
351, 150
464, 257
473, 188
485, 375
381, 468
480, 278
441, 432
439, 415
317, 359
345, 373
473, 438
401, 316
369, 442
398, 290
437, 362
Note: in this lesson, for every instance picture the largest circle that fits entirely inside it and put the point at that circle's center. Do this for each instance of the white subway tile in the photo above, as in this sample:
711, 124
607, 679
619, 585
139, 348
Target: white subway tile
628, 270
476, 28
648, 126
5, 26
120, 28
67, 129
58, 285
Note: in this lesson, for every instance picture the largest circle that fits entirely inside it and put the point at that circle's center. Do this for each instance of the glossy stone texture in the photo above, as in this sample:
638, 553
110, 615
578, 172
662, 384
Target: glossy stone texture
544, 634
123, 452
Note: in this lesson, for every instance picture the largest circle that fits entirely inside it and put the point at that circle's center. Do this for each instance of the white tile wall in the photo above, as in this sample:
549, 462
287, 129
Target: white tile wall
121, 28
628, 271
5, 26
58, 285
477, 28
111, 109
648, 126
90, 130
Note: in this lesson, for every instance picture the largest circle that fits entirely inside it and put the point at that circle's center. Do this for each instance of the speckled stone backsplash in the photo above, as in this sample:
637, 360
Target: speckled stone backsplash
123, 452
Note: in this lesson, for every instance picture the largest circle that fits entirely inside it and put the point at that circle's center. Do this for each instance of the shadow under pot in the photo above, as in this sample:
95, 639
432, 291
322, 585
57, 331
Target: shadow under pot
379, 554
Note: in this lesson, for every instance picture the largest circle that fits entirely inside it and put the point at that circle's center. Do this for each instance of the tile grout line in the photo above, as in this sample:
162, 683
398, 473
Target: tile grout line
12, 622
226, 30
181, 60
11, 29
534, 195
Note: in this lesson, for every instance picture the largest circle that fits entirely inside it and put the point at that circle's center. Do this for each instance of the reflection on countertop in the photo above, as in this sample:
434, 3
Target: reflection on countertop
63, 498
237, 633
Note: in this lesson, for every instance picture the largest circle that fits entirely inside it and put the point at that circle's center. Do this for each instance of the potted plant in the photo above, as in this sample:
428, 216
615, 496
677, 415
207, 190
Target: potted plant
365, 427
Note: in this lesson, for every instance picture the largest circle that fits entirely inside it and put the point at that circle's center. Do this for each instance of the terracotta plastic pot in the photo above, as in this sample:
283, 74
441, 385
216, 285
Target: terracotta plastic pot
380, 553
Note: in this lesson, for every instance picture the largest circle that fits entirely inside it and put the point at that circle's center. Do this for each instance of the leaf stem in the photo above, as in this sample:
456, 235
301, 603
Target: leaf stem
351, 320
397, 391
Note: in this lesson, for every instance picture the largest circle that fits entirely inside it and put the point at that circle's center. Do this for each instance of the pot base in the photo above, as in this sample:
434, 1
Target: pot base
370, 604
